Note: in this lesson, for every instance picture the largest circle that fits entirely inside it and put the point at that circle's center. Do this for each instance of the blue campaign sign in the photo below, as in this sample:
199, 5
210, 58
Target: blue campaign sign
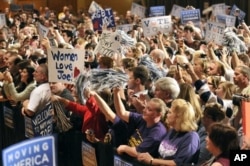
190, 15
37, 152
118, 161
103, 17
40, 124
155, 11
235, 11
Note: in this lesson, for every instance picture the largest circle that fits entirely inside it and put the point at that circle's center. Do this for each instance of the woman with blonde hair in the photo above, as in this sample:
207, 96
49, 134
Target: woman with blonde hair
188, 93
181, 143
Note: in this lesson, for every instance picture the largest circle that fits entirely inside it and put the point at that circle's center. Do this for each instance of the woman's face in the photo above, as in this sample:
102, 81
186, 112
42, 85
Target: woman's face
198, 66
219, 91
158, 93
171, 116
24, 75
149, 112
210, 145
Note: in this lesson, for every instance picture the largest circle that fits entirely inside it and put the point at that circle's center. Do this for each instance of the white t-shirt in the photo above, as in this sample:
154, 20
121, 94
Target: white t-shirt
39, 97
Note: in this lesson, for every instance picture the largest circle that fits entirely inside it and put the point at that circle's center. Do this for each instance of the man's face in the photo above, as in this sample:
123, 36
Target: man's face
131, 80
56, 87
39, 76
238, 77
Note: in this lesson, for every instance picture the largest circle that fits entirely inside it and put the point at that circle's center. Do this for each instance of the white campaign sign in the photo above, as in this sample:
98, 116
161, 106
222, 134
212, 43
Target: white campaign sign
65, 64
138, 10
215, 32
151, 26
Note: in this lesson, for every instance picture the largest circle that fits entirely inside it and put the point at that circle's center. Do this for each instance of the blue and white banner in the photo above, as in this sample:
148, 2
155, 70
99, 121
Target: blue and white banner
39, 151
40, 124
155, 11
118, 161
103, 17
193, 15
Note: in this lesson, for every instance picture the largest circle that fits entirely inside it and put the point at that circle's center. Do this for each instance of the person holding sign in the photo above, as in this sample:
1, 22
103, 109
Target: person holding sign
40, 96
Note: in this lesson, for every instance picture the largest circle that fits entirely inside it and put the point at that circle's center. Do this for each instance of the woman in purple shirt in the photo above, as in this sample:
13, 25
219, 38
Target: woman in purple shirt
181, 143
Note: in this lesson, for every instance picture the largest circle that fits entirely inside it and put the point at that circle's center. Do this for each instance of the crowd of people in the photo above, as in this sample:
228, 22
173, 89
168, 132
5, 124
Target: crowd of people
182, 113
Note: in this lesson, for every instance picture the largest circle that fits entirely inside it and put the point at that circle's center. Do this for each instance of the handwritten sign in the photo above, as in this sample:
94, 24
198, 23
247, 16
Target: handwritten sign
40, 124
42, 30
176, 11
65, 64
88, 155
103, 17
219, 9
226, 19
138, 10
190, 15
125, 27
94, 7
2, 20
215, 32
8, 117
151, 26
39, 151
113, 42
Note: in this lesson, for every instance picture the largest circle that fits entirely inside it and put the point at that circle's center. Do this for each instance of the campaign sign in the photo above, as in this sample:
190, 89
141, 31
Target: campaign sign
40, 124
235, 11
113, 42
138, 10
94, 7
8, 117
176, 10
155, 11
42, 30
36, 152
125, 27
65, 64
219, 9
215, 32
103, 17
120, 162
193, 15
226, 19
88, 155
151, 26
2, 20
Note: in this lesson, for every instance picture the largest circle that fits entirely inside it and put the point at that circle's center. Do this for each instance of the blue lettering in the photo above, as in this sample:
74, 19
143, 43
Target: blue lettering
62, 76
64, 57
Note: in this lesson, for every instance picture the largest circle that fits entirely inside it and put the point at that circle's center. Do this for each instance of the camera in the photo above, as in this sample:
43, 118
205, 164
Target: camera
237, 98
